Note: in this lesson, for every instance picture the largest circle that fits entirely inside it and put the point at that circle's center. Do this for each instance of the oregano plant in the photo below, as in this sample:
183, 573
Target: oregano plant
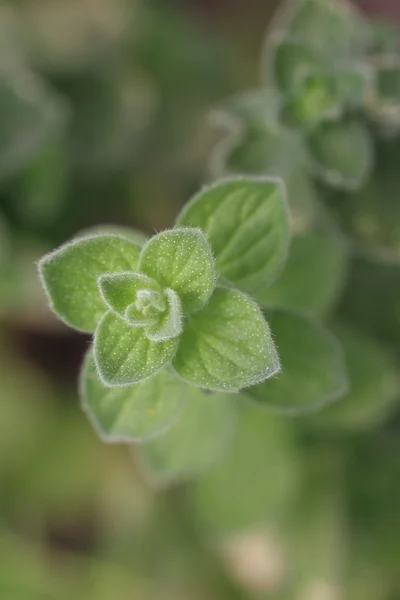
176, 311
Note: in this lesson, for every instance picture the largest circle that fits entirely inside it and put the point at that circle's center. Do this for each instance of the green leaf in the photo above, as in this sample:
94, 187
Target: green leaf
131, 414
333, 29
181, 259
315, 101
247, 224
69, 276
370, 217
313, 372
255, 485
124, 355
291, 63
374, 384
341, 153
383, 102
119, 290
353, 83
196, 442
170, 323
313, 276
227, 345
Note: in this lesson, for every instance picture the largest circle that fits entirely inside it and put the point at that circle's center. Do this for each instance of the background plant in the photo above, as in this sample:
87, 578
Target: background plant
316, 512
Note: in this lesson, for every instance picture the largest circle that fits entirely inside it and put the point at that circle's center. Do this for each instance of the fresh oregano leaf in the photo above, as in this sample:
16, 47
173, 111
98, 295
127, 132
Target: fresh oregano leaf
136, 413
374, 384
124, 355
181, 259
246, 221
227, 345
119, 290
196, 442
313, 371
291, 63
260, 472
341, 153
169, 324
69, 276
313, 276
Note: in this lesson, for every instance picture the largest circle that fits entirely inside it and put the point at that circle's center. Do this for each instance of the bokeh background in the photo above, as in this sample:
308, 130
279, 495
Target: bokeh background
103, 119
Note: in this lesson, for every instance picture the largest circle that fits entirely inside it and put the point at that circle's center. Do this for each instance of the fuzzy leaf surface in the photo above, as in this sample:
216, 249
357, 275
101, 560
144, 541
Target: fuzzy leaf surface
170, 324
227, 345
119, 290
69, 276
313, 276
313, 372
247, 224
196, 442
124, 355
181, 259
136, 413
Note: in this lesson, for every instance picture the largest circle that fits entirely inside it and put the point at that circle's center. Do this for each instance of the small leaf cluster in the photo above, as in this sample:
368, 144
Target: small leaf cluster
327, 74
175, 310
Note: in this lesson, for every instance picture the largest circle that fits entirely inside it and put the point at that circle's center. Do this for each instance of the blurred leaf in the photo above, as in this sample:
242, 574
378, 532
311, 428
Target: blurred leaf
30, 115
131, 414
254, 142
371, 301
313, 372
25, 408
383, 36
353, 83
256, 483
314, 101
41, 188
196, 442
371, 216
374, 384
317, 533
111, 114
341, 153
291, 62
333, 29
383, 102
313, 276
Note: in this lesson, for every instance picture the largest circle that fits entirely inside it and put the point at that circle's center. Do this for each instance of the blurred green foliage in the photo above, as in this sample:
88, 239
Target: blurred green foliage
103, 119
